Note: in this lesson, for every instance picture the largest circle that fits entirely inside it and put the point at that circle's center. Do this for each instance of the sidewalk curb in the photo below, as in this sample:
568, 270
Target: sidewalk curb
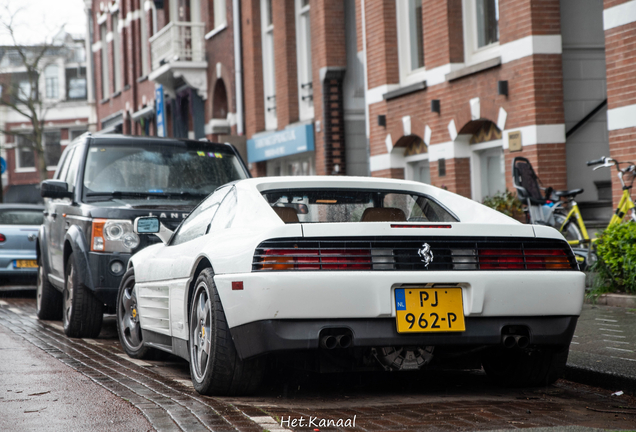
618, 300
596, 378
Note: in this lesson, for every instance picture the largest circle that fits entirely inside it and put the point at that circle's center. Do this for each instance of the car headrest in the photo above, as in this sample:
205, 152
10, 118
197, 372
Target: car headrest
287, 214
386, 214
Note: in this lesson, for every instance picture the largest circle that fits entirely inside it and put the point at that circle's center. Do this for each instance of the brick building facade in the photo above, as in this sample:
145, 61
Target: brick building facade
185, 48
425, 90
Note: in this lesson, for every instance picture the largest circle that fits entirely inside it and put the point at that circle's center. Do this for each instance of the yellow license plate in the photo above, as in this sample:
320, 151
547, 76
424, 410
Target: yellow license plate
429, 310
26, 263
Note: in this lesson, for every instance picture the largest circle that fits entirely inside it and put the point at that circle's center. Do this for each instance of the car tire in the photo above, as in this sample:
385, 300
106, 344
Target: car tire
128, 324
539, 366
82, 313
48, 302
215, 366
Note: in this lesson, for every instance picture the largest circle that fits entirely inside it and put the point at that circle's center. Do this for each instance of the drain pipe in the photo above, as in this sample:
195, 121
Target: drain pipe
238, 66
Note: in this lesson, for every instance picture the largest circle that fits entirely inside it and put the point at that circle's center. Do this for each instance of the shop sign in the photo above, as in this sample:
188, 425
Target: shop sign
287, 142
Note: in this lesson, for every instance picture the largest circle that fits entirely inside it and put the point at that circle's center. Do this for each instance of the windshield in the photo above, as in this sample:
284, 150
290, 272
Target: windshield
354, 205
161, 170
21, 217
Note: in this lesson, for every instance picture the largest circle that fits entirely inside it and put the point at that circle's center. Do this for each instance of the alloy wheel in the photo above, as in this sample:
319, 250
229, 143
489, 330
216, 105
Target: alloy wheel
200, 332
128, 315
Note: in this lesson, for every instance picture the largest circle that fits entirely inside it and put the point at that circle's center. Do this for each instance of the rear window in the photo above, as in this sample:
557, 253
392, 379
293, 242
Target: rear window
21, 217
354, 205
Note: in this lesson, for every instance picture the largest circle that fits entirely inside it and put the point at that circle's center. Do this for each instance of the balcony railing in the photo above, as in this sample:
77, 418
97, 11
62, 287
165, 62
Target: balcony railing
178, 41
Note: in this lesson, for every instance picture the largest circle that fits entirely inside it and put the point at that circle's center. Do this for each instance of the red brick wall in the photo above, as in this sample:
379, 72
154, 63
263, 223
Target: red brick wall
620, 61
252, 67
327, 50
443, 32
284, 19
382, 45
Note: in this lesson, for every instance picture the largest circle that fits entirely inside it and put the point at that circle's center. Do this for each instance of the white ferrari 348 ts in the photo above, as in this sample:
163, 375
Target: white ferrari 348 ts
350, 274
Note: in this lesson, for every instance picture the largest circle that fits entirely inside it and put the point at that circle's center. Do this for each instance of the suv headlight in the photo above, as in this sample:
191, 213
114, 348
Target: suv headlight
113, 235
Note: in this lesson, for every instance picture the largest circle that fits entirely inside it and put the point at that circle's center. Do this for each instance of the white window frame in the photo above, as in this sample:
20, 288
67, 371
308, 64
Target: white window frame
303, 56
144, 37
52, 167
117, 54
103, 30
220, 14
407, 75
472, 53
18, 167
56, 85
476, 151
269, 78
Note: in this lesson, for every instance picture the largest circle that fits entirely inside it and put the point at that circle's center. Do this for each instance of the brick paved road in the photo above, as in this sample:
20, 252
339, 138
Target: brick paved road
432, 400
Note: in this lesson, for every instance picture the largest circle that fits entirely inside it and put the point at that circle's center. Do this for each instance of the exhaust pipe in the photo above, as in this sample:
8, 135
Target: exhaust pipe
328, 342
522, 341
344, 341
509, 341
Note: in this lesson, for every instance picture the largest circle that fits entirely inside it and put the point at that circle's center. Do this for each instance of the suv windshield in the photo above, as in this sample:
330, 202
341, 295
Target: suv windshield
152, 169
355, 205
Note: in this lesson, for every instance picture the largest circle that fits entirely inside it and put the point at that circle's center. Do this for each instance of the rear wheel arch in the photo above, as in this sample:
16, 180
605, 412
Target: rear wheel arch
202, 264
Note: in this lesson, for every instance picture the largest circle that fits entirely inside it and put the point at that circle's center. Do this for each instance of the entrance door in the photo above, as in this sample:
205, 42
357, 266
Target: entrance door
488, 171
420, 171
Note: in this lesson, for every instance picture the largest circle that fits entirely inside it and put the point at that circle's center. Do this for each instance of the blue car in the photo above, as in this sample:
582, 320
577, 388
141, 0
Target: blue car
19, 224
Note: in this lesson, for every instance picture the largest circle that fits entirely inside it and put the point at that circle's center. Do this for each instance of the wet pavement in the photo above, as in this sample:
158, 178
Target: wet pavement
604, 347
160, 392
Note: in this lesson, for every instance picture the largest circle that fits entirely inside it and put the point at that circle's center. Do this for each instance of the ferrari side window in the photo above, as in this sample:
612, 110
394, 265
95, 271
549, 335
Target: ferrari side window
225, 215
196, 224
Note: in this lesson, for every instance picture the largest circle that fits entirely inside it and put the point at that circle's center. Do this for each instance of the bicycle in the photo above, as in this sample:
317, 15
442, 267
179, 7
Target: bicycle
544, 210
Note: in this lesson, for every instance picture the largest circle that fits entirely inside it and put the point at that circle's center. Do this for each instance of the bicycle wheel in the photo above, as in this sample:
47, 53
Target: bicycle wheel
570, 230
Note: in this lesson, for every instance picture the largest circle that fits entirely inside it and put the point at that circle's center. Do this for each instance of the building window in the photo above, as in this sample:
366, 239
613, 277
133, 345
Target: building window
24, 156
410, 41
52, 148
117, 60
481, 30
76, 83
220, 14
105, 62
52, 83
143, 24
269, 80
303, 55
25, 91
74, 133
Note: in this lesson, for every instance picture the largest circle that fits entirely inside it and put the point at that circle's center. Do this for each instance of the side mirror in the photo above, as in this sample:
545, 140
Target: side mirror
55, 189
152, 225
146, 225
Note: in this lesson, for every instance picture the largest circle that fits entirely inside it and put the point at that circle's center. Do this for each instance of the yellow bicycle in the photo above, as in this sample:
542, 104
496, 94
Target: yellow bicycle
559, 209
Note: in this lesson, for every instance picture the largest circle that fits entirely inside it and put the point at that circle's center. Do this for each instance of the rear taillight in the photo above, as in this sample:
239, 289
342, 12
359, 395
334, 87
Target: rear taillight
2, 238
517, 259
309, 259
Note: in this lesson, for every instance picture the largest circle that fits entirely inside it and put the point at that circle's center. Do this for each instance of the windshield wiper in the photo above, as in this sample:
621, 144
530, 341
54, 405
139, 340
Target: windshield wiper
121, 194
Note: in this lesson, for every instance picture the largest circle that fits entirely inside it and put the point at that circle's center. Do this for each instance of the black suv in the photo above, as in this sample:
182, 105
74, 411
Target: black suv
102, 183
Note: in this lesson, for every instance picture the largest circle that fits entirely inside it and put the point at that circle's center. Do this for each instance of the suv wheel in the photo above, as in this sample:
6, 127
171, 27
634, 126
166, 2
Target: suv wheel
48, 299
82, 313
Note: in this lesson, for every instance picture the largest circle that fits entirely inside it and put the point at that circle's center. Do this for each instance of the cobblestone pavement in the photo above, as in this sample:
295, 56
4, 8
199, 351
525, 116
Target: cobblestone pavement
433, 400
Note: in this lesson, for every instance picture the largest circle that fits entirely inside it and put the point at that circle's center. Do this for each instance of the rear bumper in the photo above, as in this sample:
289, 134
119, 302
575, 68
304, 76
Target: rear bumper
7, 260
268, 336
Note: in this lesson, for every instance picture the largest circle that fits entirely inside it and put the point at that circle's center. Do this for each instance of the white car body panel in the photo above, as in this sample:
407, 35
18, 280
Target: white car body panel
163, 274
289, 295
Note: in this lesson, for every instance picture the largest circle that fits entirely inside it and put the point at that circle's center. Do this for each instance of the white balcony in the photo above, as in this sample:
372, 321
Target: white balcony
178, 51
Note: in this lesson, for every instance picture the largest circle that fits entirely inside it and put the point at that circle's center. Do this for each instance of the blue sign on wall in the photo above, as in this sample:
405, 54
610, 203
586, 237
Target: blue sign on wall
3, 165
161, 111
283, 143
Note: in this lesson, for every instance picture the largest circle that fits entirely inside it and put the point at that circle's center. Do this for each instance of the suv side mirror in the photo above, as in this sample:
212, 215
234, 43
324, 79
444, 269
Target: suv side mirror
55, 189
152, 225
